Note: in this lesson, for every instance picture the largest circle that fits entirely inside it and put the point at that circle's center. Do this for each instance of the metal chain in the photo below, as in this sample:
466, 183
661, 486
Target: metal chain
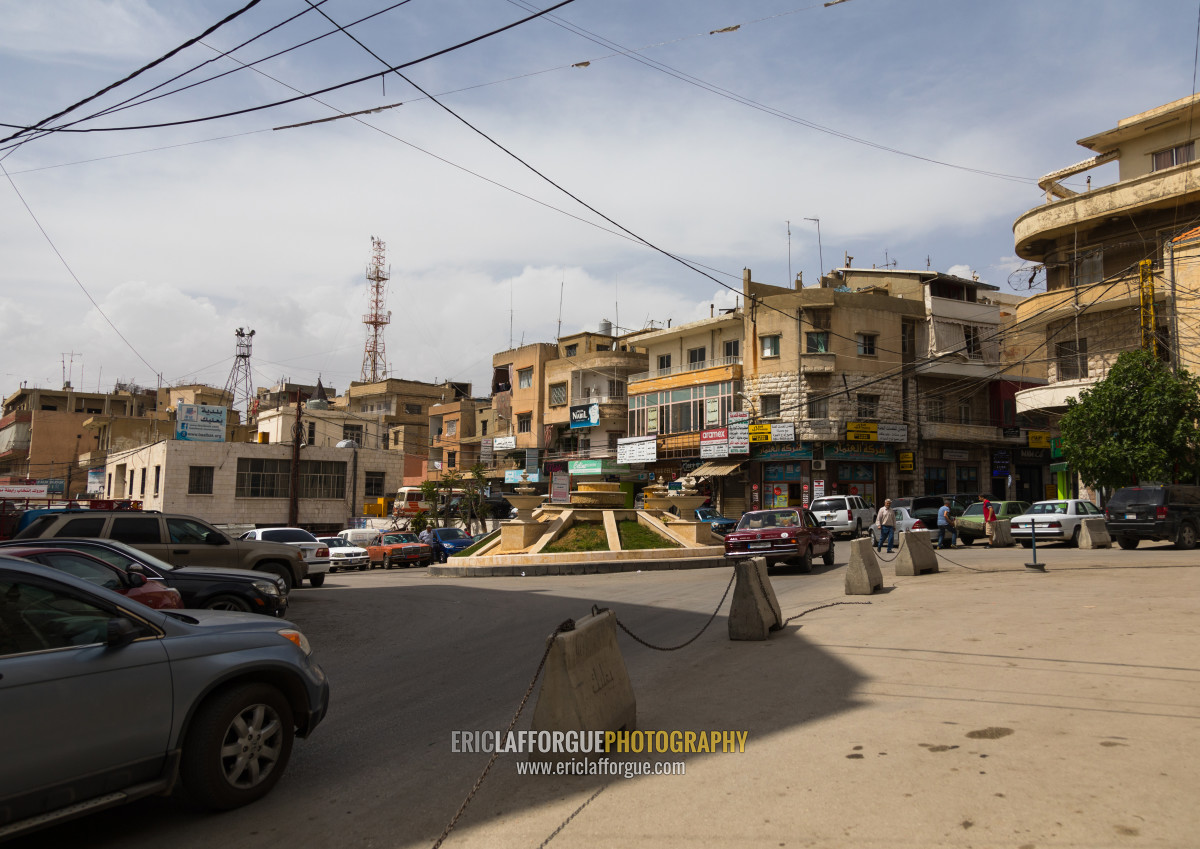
574, 813
621, 625
822, 607
567, 625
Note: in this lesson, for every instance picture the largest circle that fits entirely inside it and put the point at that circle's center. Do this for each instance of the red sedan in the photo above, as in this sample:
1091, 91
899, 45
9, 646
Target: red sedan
783, 534
132, 585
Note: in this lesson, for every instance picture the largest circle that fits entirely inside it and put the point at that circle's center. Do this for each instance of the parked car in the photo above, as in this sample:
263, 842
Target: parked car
970, 524
843, 514
719, 524
315, 552
344, 554
449, 541
905, 521
1055, 521
1135, 513
202, 587
178, 539
925, 508
95, 571
114, 701
399, 548
780, 535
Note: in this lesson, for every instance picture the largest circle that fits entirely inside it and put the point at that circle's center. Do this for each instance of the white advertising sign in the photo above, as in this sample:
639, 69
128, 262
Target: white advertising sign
712, 450
21, 490
892, 433
818, 489
783, 432
200, 422
739, 432
637, 449
504, 443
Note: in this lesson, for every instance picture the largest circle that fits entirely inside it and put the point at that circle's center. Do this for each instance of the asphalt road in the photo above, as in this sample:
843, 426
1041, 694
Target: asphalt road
412, 658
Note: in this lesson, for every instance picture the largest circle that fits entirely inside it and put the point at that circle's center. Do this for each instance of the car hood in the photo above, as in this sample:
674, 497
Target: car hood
227, 620
220, 572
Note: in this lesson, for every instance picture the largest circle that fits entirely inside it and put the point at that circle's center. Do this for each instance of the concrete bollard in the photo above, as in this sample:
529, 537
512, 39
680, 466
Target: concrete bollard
916, 554
584, 685
754, 611
1002, 534
1093, 533
862, 573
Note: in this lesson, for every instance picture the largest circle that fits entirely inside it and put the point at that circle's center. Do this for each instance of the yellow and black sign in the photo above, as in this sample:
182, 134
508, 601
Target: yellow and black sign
760, 433
862, 427
907, 463
1039, 438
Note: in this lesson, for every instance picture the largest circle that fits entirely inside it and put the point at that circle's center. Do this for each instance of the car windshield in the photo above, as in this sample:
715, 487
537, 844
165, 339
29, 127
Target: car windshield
335, 542
1135, 496
395, 539
287, 535
445, 534
768, 519
1049, 507
974, 510
707, 514
405, 537
126, 551
828, 504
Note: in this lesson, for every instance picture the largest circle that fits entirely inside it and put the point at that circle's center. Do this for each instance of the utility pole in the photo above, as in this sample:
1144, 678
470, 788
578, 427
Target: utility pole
294, 477
820, 250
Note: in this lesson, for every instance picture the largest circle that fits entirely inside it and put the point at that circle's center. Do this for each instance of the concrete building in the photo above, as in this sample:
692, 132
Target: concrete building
519, 405
1113, 257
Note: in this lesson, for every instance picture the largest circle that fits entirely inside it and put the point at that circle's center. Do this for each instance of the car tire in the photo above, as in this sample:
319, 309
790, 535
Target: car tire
332, 569
1027, 543
227, 601
1074, 541
806, 560
857, 529
364, 568
1128, 543
387, 563
248, 728
317, 580
827, 558
966, 540
281, 571
874, 537
1185, 537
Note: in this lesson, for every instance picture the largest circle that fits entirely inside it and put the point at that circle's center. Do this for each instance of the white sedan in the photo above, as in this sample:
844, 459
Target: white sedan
905, 521
315, 553
1053, 521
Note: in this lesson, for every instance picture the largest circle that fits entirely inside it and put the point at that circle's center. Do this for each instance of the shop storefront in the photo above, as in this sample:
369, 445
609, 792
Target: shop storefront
858, 468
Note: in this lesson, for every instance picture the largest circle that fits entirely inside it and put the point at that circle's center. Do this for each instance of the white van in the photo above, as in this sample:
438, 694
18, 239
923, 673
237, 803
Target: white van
362, 537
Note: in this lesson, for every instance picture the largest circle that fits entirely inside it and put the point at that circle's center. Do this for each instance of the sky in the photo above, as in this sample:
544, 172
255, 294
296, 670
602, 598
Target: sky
893, 131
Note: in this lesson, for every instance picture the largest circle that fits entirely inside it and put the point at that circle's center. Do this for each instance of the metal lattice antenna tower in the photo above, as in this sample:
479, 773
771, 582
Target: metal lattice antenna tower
374, 365
240, 384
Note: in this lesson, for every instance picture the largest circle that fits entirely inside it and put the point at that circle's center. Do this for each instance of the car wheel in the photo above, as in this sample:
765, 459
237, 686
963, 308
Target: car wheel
363, 568
1128, 543
1027, 543
1185, 537
332, 569
228, 602
1074, 543
858, 529
806, 560
237, 746
966, 540
279, 570
317, 580
827, 559
874, 536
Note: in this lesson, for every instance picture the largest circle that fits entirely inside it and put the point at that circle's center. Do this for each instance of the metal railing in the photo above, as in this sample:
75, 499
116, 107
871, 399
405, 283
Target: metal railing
686, 367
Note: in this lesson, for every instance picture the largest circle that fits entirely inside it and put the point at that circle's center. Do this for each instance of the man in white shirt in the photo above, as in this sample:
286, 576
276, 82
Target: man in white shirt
886, 519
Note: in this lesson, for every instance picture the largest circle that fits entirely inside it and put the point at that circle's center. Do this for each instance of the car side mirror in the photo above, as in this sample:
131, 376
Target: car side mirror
120, 632
214, 538
135, 579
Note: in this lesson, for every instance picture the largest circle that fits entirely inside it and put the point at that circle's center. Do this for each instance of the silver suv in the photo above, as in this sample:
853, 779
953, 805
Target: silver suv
843, 514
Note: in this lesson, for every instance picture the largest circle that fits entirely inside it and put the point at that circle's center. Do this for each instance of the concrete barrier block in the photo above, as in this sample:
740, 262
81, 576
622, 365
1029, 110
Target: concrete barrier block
585, 686
862, 573
1002, 534
916, 554
1093, 533
754, 611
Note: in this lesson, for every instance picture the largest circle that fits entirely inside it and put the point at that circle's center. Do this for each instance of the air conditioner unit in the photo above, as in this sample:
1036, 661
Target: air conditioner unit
818, 465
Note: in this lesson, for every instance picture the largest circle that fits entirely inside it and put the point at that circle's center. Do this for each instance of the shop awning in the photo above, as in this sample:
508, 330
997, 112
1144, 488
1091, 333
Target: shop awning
716, 468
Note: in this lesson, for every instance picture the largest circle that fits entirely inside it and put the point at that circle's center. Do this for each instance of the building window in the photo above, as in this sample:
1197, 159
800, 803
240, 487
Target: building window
483, 428
452, 427
571, 350
696, 357
1174, 156
525, 378
142, 494
616, 389
866, 344
769, 405
908, 338
412, 409
524, 422
1089, 268
200, 480
968, 478
108, 491
354, 432
935, 480
257, 478
818, 408
964, 411
770, 346
395, 438
935, 410
322, 479
868, 406
816, 342
664, 362
451, 459
971, 342
312, 433
733, 348
682, 410
821, 319
558, 394
1071, 359
157, 478
374, 484
604, 347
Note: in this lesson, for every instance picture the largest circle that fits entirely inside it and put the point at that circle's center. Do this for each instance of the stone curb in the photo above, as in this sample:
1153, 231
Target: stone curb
602, 567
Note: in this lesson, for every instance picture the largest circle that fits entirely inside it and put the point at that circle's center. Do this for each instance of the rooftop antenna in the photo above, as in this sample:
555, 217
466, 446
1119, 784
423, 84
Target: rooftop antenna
510, 313
789, 234
240, 384
561, 286
374, 367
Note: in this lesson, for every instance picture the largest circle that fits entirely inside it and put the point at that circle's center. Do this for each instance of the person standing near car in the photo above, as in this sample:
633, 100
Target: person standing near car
989, 521
945, 525
886, 519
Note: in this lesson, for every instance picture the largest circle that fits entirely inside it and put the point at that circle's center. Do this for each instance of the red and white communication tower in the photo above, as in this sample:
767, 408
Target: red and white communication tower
374, 366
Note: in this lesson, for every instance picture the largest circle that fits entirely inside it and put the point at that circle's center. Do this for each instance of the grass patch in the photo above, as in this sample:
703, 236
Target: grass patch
635, 536
581, 536
467, 552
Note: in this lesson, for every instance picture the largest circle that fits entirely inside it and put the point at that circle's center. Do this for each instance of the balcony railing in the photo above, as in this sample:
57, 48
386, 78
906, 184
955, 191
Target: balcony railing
600, 399
686, 367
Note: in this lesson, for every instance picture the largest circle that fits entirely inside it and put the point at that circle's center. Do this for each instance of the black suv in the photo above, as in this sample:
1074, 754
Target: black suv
1171, 512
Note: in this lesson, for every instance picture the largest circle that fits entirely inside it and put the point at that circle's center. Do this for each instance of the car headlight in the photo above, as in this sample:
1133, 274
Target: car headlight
266, 587
296, 637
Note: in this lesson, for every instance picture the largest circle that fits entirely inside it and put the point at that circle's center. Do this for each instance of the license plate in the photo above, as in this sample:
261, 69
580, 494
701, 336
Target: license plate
760, 545
1131, 515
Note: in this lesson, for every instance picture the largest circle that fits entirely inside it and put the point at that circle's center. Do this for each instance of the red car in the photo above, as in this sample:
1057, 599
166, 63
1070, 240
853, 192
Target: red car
132, 585
784, 534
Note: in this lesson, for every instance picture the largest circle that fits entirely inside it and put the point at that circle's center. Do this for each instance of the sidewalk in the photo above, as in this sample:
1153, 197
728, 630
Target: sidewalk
983, 706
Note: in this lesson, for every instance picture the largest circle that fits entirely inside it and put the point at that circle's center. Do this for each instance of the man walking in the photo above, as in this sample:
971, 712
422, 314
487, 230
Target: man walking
989, 521
886, 519
945, 525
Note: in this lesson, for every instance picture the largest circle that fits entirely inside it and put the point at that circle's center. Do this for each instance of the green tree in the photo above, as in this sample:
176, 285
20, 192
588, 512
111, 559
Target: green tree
1138, 424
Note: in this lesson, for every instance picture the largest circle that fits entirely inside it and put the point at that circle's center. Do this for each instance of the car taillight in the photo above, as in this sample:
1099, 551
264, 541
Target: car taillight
849, 515
323, 551
918, 526
1160, 512
1054, 524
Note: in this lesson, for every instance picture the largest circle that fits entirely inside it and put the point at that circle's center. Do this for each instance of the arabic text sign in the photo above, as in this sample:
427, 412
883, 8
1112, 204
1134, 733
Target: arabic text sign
637, 449
24, 490
739, 432
200, 422
760, 433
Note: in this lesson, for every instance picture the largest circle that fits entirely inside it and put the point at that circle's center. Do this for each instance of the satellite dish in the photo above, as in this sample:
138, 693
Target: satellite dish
347, 443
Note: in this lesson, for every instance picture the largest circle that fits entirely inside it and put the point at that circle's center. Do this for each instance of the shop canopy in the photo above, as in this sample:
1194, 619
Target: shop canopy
716, 468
